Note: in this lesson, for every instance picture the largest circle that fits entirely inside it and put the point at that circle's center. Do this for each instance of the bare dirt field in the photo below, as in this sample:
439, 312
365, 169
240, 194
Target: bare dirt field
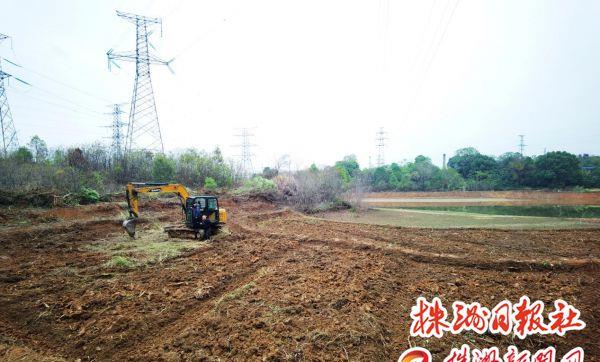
276, 285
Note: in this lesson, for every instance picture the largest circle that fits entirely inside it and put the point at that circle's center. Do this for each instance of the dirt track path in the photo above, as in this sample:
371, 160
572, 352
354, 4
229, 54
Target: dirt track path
282, 286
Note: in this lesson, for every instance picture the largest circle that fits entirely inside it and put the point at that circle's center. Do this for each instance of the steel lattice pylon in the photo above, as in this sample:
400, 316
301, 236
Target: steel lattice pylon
143, 131
380, 139
117, 135
9, 133
245, 153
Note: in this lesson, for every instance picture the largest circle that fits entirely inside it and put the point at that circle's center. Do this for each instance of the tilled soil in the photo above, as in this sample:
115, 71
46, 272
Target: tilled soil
277, 285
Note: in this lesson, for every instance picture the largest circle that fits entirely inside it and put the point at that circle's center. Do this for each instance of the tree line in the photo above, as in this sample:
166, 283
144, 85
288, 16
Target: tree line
75, 169
95, 167
468, 169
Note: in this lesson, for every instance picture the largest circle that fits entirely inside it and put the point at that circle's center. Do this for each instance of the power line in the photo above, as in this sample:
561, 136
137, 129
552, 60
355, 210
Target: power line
60, 82
77, 132
36, 87
434, 47
436, 34
176, 7
198, 38
384, 8
143, 131
66, 100
57, 113
422, 37
441, 39
72, 105
201, 36
62, 106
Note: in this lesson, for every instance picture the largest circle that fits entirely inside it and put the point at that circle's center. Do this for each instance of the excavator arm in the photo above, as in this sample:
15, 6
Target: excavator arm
132, 191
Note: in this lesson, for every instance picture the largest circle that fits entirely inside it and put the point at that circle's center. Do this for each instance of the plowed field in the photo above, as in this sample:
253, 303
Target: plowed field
275, 285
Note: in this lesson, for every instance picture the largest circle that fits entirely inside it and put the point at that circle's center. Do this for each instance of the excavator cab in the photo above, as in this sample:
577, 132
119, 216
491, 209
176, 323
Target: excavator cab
198, 206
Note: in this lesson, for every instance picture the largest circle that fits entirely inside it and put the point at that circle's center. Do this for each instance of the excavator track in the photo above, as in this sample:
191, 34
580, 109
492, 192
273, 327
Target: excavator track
182, 232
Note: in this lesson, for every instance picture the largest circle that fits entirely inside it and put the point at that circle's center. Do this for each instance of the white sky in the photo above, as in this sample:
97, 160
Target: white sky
318, 78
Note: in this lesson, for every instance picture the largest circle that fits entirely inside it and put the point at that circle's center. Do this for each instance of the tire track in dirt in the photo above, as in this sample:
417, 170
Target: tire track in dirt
500, 264
387, 245
72, 231
174, 325
294, 274
444, 236
281, 285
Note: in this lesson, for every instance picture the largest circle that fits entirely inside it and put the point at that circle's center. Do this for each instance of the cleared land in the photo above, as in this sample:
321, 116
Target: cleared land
276, 285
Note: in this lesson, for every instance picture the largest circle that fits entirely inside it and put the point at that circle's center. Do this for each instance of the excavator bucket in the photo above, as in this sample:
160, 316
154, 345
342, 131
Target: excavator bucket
129, 226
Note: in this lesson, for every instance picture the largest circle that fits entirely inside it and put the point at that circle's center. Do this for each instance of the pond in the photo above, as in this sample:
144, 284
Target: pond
583, 211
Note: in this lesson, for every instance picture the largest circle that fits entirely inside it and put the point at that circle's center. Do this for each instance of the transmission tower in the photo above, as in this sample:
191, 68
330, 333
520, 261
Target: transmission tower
380, 139
9, 132
245, 152
117, 133
143, 131
521, 144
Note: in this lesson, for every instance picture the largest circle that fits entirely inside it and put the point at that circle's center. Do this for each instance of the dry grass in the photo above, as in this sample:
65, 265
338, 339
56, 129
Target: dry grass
150, 246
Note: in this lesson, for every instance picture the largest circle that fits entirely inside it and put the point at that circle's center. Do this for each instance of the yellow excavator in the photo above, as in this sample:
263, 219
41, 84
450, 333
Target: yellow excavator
202, 213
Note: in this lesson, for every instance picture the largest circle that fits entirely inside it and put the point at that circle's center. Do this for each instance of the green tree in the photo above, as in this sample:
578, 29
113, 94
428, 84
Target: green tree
269, 172
344, 175
23, 155
88, 196
258, 186
38, 148
557, 169
514, 170
450, 179
349, 164
590, 166
193, 166
423, 173
381, 179
217, 156
468, 162
400, 178
163, 168
210, 183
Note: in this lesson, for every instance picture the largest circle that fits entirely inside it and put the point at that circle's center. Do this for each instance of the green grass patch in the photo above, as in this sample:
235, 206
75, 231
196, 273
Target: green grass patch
235, 294
119, 261
151, 246
239, 292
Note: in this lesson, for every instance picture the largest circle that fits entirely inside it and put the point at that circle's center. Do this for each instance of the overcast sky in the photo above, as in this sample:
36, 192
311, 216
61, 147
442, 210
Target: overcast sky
316, 79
